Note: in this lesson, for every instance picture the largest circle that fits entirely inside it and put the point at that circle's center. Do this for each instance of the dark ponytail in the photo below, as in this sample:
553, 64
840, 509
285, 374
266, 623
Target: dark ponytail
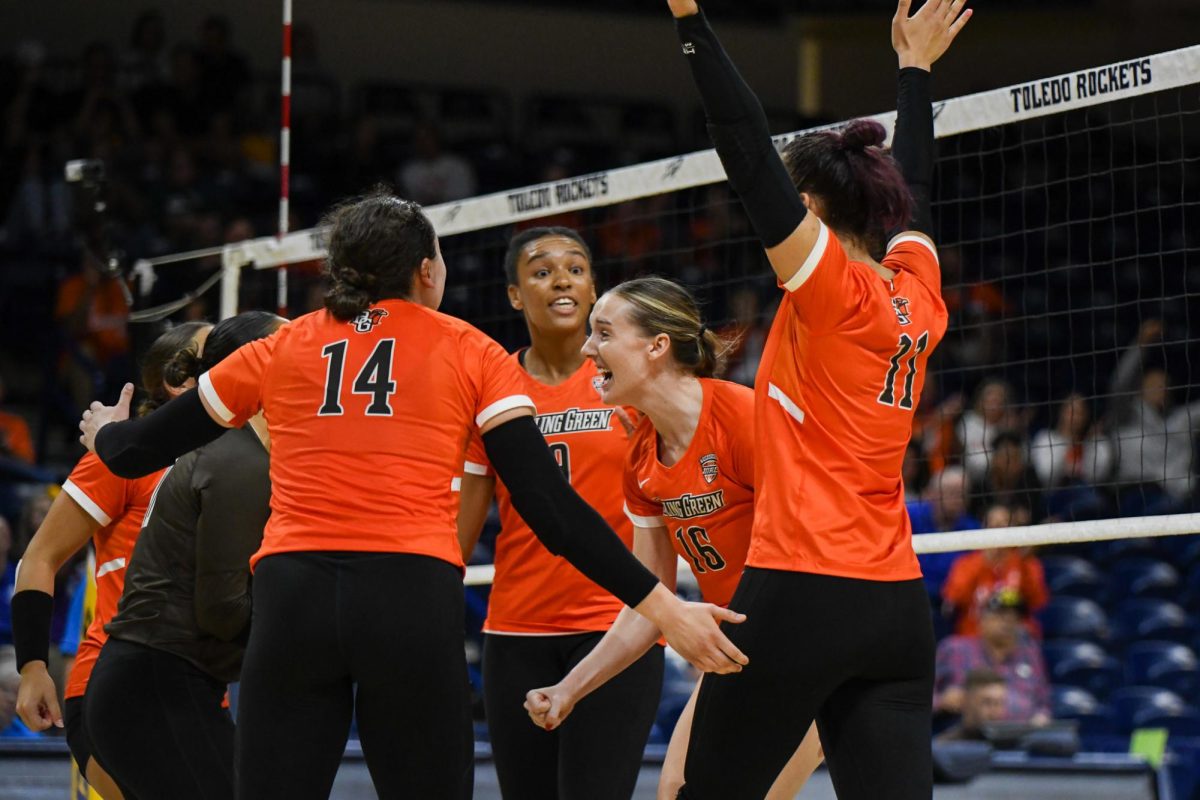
376, 245
861, 190
168, 361
232, 333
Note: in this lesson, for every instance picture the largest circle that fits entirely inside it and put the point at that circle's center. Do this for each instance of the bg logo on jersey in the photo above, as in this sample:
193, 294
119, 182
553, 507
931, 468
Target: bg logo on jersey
575, 420
367, 320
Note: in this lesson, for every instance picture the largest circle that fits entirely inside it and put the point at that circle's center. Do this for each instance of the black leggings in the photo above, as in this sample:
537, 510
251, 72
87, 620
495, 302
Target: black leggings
855, 655
597, 753
390, 625
157, 724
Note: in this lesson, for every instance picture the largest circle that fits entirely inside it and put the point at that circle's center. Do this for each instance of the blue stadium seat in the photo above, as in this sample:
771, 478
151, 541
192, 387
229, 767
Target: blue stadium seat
1142, 577
1189, 598
1169, 665
1106, 554
1070, 702
1074, 618
1142, 706
1085, 665
1144, 619
1074, 576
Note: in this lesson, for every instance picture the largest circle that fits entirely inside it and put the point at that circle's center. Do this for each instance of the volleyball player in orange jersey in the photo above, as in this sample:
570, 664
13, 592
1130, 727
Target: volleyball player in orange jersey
94, 504
689, 487
358, 598
543, 614
838, 618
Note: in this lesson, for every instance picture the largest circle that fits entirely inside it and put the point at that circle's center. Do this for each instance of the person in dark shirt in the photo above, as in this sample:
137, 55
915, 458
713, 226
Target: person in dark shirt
1010, 480
155, 702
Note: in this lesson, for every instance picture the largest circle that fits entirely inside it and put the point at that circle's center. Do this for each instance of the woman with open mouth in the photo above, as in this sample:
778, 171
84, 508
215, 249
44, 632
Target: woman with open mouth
544, 616
688, 483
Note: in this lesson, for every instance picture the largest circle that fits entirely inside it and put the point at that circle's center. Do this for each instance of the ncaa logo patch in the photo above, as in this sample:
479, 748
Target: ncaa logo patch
708, 467
367, 320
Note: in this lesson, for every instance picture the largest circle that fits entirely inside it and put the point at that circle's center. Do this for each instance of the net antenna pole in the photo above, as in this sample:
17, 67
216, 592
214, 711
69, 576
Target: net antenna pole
285, 152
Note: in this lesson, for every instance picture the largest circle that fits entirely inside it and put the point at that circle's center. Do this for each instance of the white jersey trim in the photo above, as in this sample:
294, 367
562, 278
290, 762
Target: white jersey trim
789, 405
921, 240
644, 522
88, 504
209, 393
810, 264
471, 468
502, 405
110, 566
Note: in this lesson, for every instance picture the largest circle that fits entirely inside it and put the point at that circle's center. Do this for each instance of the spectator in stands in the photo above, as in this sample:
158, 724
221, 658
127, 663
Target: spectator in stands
1070, 460
15, 441
1154, 442
944, 508
985, 699
92, 310
8, 579
432, 175
224, 73
991, 413
1009, 480
145, 62
976, 576
1002, 646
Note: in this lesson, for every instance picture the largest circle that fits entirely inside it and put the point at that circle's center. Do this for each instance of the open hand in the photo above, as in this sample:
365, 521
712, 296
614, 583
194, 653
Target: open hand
695, 635
98, 415
921, 39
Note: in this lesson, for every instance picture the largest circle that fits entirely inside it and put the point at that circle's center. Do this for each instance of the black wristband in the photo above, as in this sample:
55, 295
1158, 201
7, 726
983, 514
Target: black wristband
138, 447
32, 611
558, 516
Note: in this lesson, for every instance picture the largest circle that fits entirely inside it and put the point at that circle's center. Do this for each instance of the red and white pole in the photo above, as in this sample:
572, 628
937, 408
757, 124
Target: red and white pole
285, 151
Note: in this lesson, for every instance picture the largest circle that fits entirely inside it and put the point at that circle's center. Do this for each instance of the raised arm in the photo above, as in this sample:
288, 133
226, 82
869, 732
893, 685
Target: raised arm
625, 642
738, 128
920, 40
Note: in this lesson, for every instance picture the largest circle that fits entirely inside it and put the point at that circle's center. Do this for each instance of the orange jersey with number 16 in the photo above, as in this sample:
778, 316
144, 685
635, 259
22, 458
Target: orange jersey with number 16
839, 380
706, 498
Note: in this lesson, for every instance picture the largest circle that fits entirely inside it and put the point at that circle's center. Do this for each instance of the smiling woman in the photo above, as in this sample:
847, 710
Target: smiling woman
544, 616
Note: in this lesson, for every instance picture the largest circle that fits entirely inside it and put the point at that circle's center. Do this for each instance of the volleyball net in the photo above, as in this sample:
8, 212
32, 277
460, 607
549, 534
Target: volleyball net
1068, 219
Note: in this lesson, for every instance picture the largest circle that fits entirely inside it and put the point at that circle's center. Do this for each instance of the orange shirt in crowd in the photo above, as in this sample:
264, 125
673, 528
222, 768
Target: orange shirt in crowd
118, 505
706, 498
976, 576
105, 331
840, 376
368, 422
14, 435
535, 591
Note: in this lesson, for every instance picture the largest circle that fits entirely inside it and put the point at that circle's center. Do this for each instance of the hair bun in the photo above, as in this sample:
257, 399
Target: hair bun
181, 366
860, 134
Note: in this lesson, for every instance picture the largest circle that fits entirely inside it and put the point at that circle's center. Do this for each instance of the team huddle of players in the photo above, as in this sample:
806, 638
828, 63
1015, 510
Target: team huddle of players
785, 501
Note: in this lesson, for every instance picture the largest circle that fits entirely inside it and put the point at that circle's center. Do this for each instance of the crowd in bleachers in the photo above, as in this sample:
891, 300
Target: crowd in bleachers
1051, 400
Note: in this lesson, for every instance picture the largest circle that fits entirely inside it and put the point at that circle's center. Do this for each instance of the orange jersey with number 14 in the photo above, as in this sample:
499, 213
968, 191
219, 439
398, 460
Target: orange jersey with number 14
706, 498
839, 379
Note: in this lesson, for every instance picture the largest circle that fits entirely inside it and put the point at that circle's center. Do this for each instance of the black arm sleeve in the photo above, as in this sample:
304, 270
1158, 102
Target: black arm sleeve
738, 128
137, 447
912, 145
560, 518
